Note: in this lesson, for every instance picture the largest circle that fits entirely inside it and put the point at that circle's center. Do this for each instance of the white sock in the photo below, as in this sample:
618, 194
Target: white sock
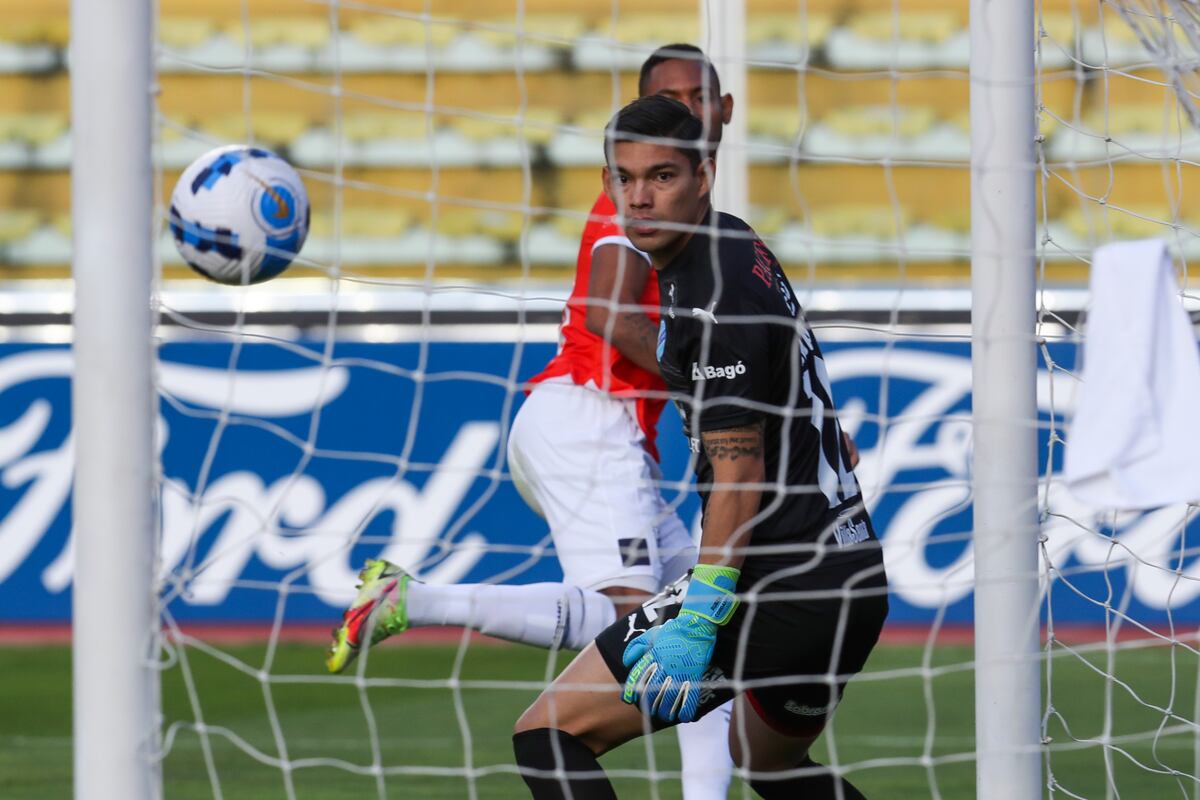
704, 754
541, 614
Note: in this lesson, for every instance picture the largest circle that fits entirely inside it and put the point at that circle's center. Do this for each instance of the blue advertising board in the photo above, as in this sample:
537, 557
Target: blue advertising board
285, 467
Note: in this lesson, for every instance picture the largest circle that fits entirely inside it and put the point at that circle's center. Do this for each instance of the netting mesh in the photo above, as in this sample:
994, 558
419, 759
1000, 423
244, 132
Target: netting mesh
452, 155
1115, 162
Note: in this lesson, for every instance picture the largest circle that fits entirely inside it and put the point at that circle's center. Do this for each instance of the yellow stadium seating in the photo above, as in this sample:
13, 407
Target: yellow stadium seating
1158, 118
762, 28
881, 120
402, 31
594, 120
33, 128
846, 99
185, 32
775, 122
1100, 223
365, 222
58, 31
16, 224
504, 225
270, 128
656, 29
373, 125
542, 29
540, 125
311, 32
875, 222
27, 32
930, 27
1059, 26
768, 221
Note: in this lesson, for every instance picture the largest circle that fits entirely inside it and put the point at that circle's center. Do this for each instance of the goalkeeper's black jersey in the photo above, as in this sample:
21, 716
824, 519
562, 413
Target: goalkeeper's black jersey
735, 349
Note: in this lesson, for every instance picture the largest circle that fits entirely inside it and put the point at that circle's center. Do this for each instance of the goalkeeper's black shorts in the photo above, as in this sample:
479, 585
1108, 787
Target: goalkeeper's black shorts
804, 630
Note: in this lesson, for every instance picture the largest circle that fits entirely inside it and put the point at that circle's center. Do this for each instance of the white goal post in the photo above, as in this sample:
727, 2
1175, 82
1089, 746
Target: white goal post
114, 404
1004, 402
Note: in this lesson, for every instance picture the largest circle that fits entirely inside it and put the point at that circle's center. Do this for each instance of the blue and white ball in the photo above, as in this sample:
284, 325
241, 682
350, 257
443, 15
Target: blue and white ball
239, 214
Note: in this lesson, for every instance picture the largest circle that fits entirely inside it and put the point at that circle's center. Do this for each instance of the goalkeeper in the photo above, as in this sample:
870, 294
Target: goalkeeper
582, 453
789, 594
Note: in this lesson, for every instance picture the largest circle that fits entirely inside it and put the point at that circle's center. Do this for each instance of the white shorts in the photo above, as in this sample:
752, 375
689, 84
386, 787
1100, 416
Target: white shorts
577, 456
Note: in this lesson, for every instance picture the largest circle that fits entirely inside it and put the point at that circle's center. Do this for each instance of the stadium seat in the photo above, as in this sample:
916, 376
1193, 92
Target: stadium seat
17, 224
1115, 43
892, 132
1157, 130
34, 141
45, 245
581, 144
23, 32
911, 40
547, 243
503, 225
637, 35
1127, 119
540, 126
636, 28
1059, 26
57, 31
29, 46
880, 120
370, 125
396, 31
852, 220
186, 32
775, 122
931, 27
177, 149
33, 128
371, 223
272, 129
459, 221
308, 32
1097, 223
569, 225
547, 30
768, 221
956, 219
764, 29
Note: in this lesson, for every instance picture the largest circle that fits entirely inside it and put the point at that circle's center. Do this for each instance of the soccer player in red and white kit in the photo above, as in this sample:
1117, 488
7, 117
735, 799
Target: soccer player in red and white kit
582, 453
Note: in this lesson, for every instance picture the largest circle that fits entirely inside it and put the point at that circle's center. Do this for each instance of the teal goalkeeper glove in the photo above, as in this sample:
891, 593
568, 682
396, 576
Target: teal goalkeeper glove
672, 657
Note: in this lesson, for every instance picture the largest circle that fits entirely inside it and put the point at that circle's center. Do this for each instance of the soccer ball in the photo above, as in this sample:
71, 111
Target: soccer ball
239, 214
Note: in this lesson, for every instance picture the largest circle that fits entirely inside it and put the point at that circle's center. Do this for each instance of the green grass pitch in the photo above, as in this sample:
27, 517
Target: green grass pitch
906, 735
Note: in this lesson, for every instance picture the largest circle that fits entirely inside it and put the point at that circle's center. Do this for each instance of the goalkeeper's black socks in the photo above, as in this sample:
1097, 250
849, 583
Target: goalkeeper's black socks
811, 786
549, 750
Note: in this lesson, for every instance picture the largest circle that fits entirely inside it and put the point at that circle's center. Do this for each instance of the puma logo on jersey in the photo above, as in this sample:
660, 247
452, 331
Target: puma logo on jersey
706, 313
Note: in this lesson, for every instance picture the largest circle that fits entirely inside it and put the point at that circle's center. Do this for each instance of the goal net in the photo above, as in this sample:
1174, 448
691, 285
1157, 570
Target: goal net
360, 406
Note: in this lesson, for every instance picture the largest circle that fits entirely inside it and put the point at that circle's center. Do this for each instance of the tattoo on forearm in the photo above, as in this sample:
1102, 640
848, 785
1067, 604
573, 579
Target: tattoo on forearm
734, 443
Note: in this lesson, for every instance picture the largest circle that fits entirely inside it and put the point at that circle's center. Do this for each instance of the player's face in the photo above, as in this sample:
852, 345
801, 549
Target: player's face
683, 80
652, 184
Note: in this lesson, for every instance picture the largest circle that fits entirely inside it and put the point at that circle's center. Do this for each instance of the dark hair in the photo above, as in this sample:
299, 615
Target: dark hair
678, 52
655, 117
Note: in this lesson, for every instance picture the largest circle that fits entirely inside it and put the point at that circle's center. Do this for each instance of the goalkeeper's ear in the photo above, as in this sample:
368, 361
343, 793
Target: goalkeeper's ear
726, 108
706, 172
